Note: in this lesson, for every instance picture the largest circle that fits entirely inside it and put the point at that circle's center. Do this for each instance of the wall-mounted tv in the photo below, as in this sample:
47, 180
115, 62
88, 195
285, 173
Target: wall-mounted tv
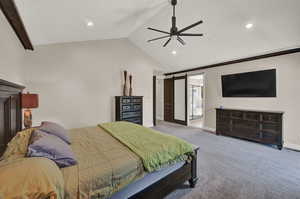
251, 84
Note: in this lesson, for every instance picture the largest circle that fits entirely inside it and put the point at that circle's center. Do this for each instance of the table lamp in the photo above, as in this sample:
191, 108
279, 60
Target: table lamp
29, 101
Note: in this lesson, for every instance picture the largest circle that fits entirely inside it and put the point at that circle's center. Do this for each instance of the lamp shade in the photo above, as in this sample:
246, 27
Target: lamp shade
30, 100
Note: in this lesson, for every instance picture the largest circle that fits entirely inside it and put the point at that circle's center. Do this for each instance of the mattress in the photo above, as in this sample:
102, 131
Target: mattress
104, 165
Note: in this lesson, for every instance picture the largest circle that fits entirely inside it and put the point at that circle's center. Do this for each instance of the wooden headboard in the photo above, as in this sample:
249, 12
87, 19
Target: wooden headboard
10, 112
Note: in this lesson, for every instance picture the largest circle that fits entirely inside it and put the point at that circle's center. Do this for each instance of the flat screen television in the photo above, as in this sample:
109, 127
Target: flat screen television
251, 84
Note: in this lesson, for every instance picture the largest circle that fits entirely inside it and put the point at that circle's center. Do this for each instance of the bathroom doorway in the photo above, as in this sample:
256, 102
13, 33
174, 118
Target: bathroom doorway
196, 100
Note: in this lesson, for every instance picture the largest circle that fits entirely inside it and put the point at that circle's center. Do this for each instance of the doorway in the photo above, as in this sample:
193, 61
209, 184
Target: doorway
196, 100
175, 100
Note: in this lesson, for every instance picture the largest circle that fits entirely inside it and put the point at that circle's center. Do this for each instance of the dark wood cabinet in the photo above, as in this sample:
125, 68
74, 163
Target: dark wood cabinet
259, 126
129, 109
10, 112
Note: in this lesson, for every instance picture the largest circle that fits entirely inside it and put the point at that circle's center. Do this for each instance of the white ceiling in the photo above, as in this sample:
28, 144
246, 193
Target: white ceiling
276, 26
59, 21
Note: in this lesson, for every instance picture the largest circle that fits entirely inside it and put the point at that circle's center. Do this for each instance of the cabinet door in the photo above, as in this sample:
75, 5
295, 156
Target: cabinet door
10, 122
246, 129
272, 117
2, 125
271, 132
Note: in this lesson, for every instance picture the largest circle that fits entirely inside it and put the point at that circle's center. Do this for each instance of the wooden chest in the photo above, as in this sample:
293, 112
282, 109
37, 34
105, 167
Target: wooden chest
129, 109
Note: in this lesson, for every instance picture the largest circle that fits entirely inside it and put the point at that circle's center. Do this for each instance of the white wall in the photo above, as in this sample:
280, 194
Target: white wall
10, 53
77, 82
288, 95
287, 100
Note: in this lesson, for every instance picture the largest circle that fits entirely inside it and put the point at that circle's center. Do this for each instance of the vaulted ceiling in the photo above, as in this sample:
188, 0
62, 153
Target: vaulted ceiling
276, 26
60, 21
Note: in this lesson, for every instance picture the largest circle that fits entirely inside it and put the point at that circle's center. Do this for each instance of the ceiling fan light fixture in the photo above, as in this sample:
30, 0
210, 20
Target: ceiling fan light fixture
174, 52
90, 24
249, 25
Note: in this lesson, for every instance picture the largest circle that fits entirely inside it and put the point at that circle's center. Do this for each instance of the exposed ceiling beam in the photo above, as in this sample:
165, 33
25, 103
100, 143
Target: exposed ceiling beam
263, 56
11, 13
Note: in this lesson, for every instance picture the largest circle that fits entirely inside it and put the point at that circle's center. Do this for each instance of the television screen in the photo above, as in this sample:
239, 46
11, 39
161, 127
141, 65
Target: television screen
252, 84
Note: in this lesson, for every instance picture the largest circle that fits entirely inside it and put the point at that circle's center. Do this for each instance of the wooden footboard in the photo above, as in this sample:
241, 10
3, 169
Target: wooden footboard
172, 181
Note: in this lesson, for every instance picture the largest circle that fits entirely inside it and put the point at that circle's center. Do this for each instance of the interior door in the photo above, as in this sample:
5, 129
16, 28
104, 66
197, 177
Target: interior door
180, 100
169, 100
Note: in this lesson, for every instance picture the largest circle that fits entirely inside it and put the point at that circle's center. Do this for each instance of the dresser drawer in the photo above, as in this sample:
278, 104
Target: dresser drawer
137, 107
271, 127
137, 100
223, 121
237, 114
252, 116
126, 100
246, 129
126, 108
223, 114
131, 114
269, 137
134, 120
270, 117
132, 108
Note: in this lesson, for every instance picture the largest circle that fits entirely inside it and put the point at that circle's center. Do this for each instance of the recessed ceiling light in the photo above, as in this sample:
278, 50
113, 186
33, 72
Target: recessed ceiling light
174, 52
249, 25
90, 24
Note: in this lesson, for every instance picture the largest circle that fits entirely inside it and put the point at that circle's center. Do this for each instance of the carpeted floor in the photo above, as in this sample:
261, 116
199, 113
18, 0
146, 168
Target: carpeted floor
230, 168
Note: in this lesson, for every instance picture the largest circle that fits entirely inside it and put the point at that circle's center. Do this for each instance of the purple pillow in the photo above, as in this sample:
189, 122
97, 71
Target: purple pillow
55, 129
49, 146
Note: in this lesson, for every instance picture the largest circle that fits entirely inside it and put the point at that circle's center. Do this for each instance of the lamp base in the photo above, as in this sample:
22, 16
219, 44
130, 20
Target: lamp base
27, 119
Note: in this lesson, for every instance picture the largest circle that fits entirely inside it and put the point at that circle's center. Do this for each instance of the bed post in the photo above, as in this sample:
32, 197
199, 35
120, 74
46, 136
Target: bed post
194, 177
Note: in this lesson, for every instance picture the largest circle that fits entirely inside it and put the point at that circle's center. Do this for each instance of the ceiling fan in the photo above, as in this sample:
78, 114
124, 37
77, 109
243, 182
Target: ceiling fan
174, 32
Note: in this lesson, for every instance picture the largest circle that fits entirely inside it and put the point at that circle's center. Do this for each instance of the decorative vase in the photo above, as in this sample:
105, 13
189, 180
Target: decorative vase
130, 89
125, 88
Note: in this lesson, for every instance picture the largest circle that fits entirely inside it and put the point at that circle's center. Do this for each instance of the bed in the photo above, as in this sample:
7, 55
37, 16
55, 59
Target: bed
121, 174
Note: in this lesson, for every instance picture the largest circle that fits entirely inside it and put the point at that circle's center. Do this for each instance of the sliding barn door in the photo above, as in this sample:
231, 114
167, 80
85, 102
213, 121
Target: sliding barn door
175, 100
169, 100
180, 100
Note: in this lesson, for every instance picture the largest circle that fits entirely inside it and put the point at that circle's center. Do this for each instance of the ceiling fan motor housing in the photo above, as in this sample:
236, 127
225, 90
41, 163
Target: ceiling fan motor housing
174, 2
174, 29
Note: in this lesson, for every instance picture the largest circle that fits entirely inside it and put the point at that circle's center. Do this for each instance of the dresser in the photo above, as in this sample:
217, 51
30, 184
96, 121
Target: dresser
129, 109
254, 125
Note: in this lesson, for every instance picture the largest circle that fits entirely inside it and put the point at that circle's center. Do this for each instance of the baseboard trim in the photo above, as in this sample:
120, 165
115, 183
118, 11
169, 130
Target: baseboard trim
159, 118
292, 146
211, 130
148, 125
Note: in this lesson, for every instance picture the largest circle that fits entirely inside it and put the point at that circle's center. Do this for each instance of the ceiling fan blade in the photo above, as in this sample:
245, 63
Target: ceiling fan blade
167, 42
158, 38
189, 27
161, 31
191, 35
181, 40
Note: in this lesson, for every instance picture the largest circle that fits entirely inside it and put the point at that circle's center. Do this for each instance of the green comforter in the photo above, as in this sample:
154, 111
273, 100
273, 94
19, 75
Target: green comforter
154, 148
